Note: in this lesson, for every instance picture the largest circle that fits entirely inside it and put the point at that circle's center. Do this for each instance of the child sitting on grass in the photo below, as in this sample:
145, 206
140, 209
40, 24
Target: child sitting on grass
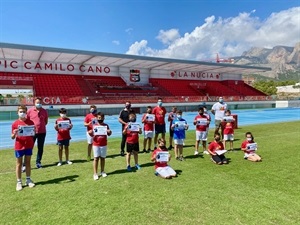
162, 168
250, 150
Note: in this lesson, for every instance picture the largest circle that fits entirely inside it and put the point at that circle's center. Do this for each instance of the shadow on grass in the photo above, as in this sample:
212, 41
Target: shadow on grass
194, 156
187, 146
114, 156
58, 180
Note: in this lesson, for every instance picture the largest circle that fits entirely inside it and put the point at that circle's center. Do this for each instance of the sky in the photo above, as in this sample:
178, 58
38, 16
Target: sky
181, 29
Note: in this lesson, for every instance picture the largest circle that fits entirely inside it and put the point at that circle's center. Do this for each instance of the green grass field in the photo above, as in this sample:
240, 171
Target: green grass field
203, 193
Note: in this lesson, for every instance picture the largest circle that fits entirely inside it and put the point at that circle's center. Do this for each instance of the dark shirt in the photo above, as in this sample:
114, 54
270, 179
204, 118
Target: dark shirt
124, 115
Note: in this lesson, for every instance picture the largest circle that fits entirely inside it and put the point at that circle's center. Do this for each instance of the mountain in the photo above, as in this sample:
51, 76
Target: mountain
281, 59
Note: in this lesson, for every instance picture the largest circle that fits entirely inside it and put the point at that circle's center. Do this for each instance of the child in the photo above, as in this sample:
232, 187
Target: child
23, 145
228, 129
148, 128
215, 146
250, 154
132, 131
179, 126
171, 117
201, 121
99, 132
63, 125
207, 128
162, 168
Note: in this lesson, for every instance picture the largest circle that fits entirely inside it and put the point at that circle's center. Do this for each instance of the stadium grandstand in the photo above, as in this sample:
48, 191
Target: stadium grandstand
64, 76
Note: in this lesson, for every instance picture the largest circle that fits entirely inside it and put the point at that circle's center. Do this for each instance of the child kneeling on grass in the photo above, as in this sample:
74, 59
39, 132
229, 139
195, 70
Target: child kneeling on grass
24, 143
215, 146
161, 166
249, 147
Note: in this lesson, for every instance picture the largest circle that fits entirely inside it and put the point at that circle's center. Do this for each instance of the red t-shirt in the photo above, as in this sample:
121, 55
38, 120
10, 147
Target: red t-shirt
198, 126
132, 137
63, 134
88, 118
228, 127
244, 145
26, 142
159, 113
159, 164
148, 125
100, 140
39, 118
213, 146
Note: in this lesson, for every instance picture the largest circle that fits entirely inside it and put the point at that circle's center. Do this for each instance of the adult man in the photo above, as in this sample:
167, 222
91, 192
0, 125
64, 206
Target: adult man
160, 126
124, 119
218, 110
89, 119
39, 116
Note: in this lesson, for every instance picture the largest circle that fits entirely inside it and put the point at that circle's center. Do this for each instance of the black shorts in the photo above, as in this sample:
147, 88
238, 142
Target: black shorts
160, 128
133, 147
219, 159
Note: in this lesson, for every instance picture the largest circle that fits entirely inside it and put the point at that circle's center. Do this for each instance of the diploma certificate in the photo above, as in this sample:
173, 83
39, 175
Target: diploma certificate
100, 130
134, 127
221, 152
162, 157
202, 122
26, 131
63, 124
252, 146
150, 117
228, 119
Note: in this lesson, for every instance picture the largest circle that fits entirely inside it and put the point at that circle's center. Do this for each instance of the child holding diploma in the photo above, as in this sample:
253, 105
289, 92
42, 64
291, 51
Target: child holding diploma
132, 131
22, 130
161, 157
179, 126
148, 120
228, 123
201, 122
249, 147
99, 132
217, 151
63, 125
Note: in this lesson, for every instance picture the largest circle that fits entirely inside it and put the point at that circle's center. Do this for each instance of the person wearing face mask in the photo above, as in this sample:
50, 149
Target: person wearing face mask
132, 131
250, 152
171, 117
160, 125
215, 146
23, 146
161, 166
40, 118
218, 110
179, 126
124, 119
63, 125
99, 132
89, 120
201, 121
148, 120
228, 123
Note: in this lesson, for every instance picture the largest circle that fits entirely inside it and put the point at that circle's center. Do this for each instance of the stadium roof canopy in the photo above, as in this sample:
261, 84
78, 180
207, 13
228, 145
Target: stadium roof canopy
70, 56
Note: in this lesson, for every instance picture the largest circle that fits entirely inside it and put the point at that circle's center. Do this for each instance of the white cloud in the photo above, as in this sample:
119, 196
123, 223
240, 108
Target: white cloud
116, 42
226, 36
129, 30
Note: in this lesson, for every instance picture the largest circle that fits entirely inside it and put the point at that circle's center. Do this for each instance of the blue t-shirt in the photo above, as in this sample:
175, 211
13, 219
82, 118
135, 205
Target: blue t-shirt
179, 129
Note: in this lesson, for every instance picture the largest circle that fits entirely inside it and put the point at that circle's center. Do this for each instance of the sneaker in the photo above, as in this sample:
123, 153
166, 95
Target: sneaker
30, 183
170, 147
103, 174
96, 177
39, 165
23, 169
144, 150
137, 166
149, 150
19, 186
181, 158
122, 153
196, 153
206, 152
69, 162
59, 164
177, 158
129, 168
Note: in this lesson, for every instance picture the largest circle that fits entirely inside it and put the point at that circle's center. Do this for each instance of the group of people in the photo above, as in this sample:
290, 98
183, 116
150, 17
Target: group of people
31, 126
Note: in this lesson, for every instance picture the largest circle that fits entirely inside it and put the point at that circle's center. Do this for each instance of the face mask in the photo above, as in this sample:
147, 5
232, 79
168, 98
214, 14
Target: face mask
162, 147
159, 103
38, 105
221, 100
100, 121
205, 110
133, 120
127, 106
178, 116
62, 115
217, 139
201, 113
249, 139
93, 111
22, 115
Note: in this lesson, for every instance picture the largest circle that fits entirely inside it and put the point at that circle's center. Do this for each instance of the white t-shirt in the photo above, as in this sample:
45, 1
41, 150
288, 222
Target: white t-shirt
219, 109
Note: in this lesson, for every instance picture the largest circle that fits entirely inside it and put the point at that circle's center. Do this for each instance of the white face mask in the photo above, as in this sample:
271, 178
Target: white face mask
22, 115
249, 139
178, 116
62, 115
